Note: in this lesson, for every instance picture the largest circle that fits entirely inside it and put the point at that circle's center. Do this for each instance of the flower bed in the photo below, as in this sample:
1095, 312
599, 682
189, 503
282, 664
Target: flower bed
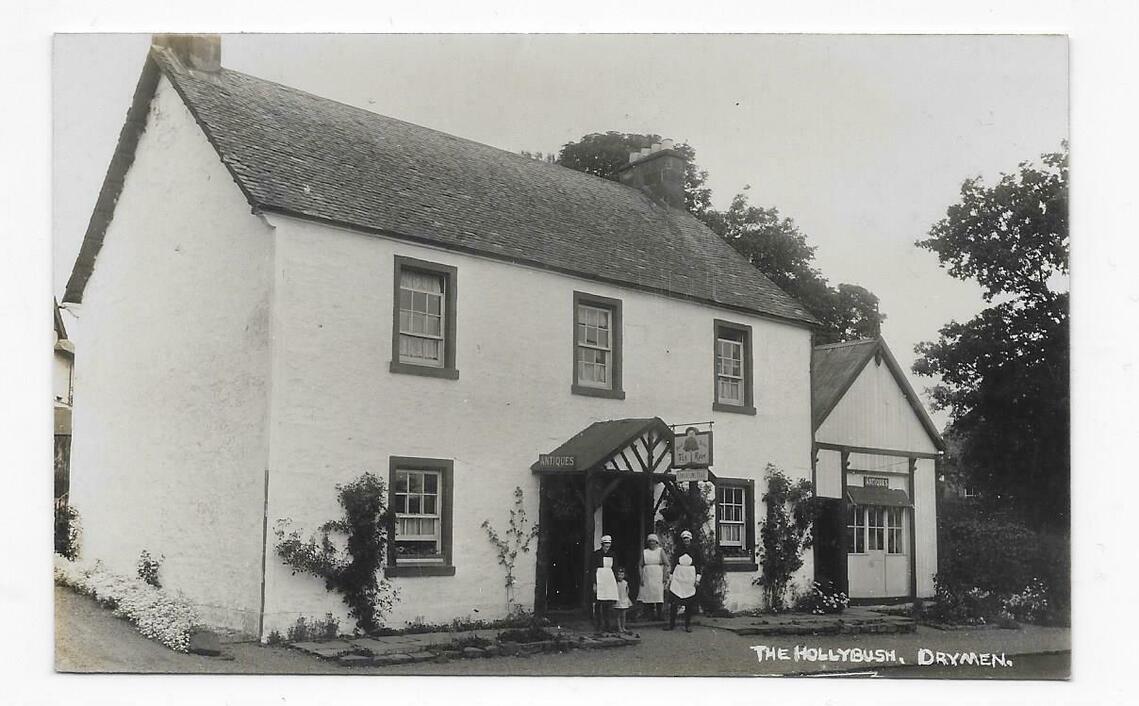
157, 615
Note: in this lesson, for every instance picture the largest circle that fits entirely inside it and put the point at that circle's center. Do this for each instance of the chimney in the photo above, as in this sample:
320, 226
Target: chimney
657, 170
200, 52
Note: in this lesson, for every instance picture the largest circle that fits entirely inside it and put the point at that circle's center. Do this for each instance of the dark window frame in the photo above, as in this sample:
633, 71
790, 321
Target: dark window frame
448, 371
748, 406
446, 467
748, 562
616, 378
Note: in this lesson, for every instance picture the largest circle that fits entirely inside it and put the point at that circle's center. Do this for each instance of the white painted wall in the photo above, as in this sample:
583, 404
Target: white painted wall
337, 411
61, 378
874, 413
925, 524
170, 440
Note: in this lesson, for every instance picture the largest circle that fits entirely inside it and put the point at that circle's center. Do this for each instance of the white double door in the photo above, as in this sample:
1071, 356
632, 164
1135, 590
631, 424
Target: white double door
877, 552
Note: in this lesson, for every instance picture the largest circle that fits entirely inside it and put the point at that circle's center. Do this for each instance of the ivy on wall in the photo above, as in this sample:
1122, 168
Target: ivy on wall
785, 534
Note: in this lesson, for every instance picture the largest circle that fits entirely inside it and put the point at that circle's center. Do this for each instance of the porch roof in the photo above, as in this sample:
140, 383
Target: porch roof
873, 495
593, 446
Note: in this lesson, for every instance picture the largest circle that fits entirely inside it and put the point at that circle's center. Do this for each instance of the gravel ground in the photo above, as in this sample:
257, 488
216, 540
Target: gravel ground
90, 639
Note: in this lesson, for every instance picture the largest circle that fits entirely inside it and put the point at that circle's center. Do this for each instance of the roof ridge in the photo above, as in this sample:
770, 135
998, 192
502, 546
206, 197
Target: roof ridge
844, 344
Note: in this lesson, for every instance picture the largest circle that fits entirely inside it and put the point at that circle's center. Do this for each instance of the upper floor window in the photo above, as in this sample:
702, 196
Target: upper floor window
733, 368
597, 346
423, 329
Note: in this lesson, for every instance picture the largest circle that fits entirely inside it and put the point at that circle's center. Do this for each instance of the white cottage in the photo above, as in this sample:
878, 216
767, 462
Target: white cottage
876, 453
284, 291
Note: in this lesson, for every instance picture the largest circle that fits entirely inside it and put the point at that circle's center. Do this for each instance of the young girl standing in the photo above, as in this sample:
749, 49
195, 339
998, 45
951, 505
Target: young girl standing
623, 603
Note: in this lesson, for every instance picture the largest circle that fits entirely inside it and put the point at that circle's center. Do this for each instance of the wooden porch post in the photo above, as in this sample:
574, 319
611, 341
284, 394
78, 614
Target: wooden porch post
913, 536
844, 509
540, 559
587, 546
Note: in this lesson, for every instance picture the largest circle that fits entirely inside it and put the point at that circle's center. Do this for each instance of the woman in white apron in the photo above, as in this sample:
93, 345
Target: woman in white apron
653, 562
604, 583
685, 579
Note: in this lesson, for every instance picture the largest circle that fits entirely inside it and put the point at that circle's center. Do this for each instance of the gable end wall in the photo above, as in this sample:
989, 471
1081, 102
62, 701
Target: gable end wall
170, 438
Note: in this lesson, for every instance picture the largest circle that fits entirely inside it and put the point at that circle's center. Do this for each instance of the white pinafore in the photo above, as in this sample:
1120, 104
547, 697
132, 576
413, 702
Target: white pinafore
683, 584
652, 577
606, 581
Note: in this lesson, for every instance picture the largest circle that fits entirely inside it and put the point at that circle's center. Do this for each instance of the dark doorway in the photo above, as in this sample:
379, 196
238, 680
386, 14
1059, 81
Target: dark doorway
623, 517
830, 542
561, 527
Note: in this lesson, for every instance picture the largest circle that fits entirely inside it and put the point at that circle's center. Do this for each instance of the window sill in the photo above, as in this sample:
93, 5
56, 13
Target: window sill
419, 570
597, 392
730, 565
424, 371
733, 408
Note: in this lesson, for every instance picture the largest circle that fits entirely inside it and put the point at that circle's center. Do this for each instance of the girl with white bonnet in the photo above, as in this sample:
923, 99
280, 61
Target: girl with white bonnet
653, 563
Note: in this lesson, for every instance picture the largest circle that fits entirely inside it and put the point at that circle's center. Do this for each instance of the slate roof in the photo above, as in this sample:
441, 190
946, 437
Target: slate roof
295, 153
593, 446
836, 366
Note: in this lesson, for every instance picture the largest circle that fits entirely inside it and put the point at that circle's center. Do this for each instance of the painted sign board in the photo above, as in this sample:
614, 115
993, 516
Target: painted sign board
876, 482
554, 462
691, 475
692, 449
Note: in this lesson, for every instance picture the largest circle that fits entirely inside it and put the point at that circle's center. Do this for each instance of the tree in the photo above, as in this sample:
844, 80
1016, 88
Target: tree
1004, 374
777, 248
602, 154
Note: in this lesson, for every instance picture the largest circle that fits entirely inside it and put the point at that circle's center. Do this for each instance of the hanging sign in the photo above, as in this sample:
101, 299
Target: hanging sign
692, 449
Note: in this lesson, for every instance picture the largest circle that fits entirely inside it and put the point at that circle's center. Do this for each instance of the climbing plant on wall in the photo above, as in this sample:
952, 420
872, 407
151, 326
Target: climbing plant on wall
514, 540
785, 533
354, 571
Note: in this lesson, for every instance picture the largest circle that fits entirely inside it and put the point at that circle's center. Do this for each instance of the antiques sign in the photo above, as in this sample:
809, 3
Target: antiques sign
553, 462
692, 449
876, 482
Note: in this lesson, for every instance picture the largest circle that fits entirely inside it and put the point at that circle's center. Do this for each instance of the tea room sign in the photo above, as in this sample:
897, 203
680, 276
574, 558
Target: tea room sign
692, 449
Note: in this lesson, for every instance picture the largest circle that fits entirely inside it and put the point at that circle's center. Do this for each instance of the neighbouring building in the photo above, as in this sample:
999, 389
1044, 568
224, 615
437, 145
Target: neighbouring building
876, 453
63, 361
283, 292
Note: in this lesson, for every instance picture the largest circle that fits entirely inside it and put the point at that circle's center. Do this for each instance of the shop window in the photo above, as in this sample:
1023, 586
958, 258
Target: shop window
597, 346
733, 368
856, 529
420, 496
423, 327
735, 522
894, 532
875, 529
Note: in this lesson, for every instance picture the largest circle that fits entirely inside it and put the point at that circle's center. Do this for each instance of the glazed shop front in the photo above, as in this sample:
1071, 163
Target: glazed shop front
611, 478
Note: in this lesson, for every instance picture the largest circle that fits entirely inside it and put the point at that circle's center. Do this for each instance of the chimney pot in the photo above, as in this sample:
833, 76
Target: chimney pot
657, 170
200, 52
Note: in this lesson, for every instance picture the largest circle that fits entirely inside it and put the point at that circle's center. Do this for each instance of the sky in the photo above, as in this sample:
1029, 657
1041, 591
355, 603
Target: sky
863, 140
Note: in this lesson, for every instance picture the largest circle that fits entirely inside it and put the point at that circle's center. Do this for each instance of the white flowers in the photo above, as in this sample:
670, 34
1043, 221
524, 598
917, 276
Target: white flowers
158, 615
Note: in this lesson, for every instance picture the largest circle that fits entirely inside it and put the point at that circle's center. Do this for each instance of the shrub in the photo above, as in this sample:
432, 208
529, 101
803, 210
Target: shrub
1028, 606
993, 552
67, 530
147, 568
784, 534
304, 630
822, 599
367, 523
158, 615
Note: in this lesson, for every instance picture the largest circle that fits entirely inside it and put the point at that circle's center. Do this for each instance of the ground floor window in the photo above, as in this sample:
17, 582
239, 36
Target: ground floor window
856, 530
735, 520
420, 495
